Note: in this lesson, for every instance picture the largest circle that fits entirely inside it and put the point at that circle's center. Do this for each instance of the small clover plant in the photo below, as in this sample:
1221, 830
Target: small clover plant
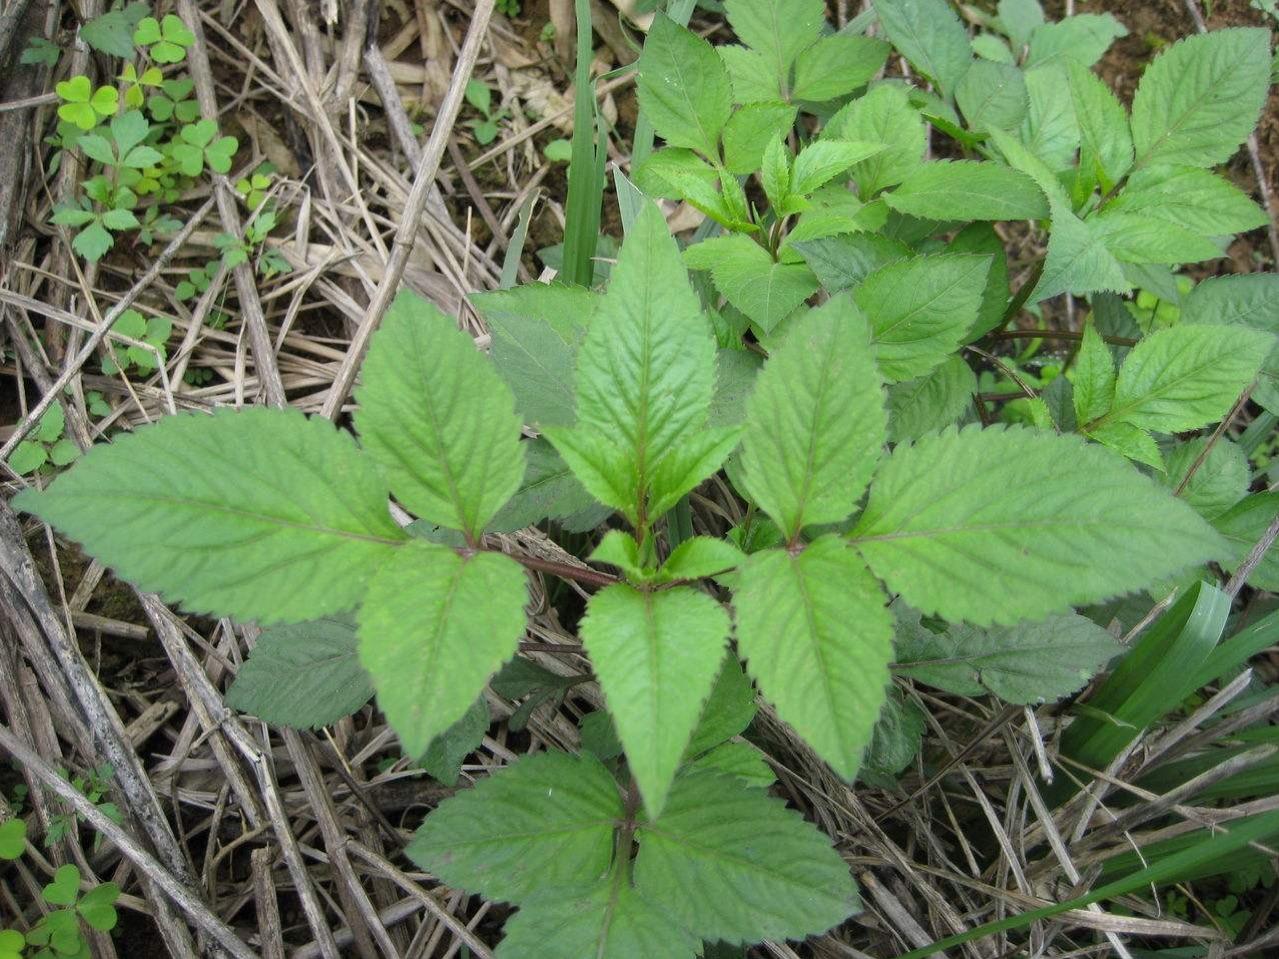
47, 447
480, 96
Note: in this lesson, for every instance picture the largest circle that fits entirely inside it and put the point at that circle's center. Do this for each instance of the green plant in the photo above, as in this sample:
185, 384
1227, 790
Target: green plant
819, 357
509, 7
94, 786
47, 445
153, 331
270, 262
480, 96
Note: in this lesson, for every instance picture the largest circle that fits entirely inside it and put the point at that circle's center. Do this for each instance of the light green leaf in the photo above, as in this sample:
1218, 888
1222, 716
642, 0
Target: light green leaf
820, 162
444, 757
990, 47
255, 514
28, 456
1243, 526
778, 30
817, 639
543, 822
645, 374
1050, 130
1106, 151
983, 240
993, 95
884, 115
1250, 300
684, 87
1001, 525
1220, 478
549, 490
536, 330
700, 557
437, 419
1137, 238
64, 452
682, 175
815, 423
837, 65
688, 464
1083, 39
1128, 441
1201, 97
51, 424
774, 174
931, 402
1093, 377
303, 676
1026, 663
921, 310
968, 190
1187, 376
1020, 18
656, 655
1190, 198
753, 78
93, 241
1078, 260
750, 130
433, 628
620, 549
737, 865
766, 291
843, 262
741, 761
930, 36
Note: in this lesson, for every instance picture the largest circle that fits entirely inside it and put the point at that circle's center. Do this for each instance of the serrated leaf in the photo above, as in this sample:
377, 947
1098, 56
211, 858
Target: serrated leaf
819, 163
700, 557
1190, 198
1001, 525
303, 676
444, 757
777, 30
729, 710
1128, 441
433, 628
255, 514
1020, 18
656, 655
1249, 300
1106, 151
681, 174
921, 309
884, 115
1187, 376
1050, 130
842, 262
1136, 238
741, 761
737, 865
545, 821
1242, 526
968, 190
931, 402
895, 742
817, 640
1093, 377
437, 419
645, 376
1201, 97
992, 95
684, 88
549, 490
930, 36
1220, 478
751, 74
750, 129
815, 423
765, 290
1026, 663
1083, 39
536, 331
837, 65
93, 242
112, 32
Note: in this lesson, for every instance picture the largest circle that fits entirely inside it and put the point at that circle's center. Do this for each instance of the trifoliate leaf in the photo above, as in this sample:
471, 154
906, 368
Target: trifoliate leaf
815, 423
735, 864
930, 36
433, 628
303, 676
968, 190
931, 402
1220, 477
543, 822
817, 640
1001, 525
1201, 97
656, 654
255, 514
437, 418
684, 88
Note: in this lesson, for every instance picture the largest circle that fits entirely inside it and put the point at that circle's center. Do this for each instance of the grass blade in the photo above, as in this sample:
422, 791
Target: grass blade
586, 166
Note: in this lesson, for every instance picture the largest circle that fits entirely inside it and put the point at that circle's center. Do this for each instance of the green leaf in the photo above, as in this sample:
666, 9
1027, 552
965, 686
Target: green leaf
1201, 97
64, 888
983, 240
304, 676
968, 190
684, 88
896, 741
254, 514
753, 78
766, 291
742, 761
1001, 525
1243, 526
815, 423
735, 375
1020, 18
990, 47
1023, 664
119, 219
1250, 300
1106, 151
1220, 479
1083, 39
1134, 238
729, 710
1050, 130
775, 176
921, 310
13, 839
656, 655
544, 822
93, 242
536, 331
437, 419
993, 95
931, 402
1188, 197
735, 864
682, 175
620, 549
777, 30
67, 215
1093, 377
750, 130
112, 32
1187, 376
930, 36
700, 557
645, 377
843, 262
548, 491
96, 147
820, 162
837, 65
884, 115
1127, 440
444, 757
97, 906
433, 628
51, 424
816, 638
